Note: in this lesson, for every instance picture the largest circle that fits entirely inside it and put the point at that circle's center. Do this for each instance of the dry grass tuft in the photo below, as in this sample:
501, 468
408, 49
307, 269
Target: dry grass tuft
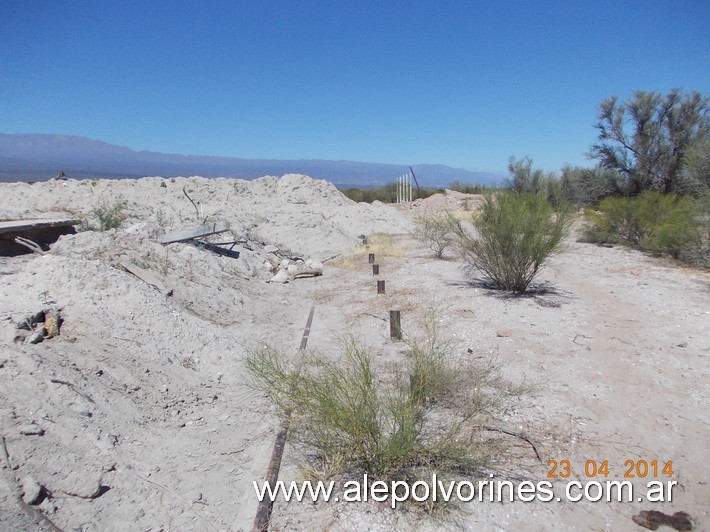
381, 244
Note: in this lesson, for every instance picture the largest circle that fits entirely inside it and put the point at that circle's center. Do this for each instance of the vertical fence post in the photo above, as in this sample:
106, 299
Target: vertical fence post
375, 269
395, 325
371, 258
380, 287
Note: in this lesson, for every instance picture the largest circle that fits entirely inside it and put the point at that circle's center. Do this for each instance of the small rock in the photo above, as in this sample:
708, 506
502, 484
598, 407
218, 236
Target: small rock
270, 249
280, 277
86, 413
683, 344
35, 338
314, 265
31, 429
504, 333
31, 490
85, 485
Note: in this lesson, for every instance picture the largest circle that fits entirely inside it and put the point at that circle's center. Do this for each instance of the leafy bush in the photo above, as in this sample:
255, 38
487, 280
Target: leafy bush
106, 216
653, 222
352, 419
434, 231
515, 234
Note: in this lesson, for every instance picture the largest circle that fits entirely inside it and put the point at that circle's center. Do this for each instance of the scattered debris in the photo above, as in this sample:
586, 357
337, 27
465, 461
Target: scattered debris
65, 383
31, 490
52, 322
31, 429
289, 269
17, 236
652, 519
43, 325
36, 337
189, 233
146, 276
215, 248
32, 246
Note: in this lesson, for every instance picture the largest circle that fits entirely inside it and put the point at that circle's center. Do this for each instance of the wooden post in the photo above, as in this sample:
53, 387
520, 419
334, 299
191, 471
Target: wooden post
380, 287
371, 258
375, 269
395, 325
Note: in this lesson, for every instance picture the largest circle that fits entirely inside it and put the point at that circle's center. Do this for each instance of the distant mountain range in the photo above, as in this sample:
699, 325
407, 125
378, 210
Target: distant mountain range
38, 157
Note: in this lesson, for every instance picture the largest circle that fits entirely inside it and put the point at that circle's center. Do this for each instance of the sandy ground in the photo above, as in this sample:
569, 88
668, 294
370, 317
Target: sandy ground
137, 416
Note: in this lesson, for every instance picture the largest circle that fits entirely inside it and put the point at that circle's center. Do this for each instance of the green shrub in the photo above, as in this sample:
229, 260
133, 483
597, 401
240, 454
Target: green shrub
352, 419
106, 216
653, 222
515, 234
434, 231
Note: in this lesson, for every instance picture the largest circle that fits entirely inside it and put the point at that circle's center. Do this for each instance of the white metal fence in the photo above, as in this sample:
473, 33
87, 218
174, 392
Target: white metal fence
404, 188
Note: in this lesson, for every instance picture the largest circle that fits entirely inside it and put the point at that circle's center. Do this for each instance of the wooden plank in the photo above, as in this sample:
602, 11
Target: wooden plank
17, 226
197, 231
146, 276
216, 249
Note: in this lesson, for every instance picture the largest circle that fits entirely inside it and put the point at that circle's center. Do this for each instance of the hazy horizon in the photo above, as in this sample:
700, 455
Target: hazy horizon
465, 85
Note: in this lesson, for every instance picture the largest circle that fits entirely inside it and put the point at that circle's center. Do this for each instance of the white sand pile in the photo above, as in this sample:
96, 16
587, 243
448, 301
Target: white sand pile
450, 200
138, 411
295, 212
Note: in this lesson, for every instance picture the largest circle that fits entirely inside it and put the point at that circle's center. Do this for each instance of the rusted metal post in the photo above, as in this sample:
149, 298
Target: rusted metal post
395, 325
371, 258
380, 287
375, 269
263, 512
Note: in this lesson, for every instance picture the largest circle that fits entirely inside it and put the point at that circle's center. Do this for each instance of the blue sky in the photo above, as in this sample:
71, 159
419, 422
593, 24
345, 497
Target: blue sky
466, 84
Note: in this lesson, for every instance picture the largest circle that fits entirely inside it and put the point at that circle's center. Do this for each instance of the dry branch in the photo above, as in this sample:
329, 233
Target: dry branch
65, 383
517, 435
32, 246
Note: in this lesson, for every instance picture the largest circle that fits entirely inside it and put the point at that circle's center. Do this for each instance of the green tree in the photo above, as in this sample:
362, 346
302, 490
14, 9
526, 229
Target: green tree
528, 180
696, 173
587, 186
646, 138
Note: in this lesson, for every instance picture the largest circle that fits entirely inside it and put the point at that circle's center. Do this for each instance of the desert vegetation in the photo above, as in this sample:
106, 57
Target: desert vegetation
651, 188
388, 193
435, 231
661, 224
105, 216
351, 417
511, 237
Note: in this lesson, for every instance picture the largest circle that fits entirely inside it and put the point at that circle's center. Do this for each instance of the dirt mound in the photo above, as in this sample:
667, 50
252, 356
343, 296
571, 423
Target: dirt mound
450, 200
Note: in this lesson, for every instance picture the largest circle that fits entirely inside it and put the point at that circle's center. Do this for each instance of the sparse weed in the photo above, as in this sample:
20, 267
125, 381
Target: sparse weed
105, 216
160, 217
435, 231
347, 419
